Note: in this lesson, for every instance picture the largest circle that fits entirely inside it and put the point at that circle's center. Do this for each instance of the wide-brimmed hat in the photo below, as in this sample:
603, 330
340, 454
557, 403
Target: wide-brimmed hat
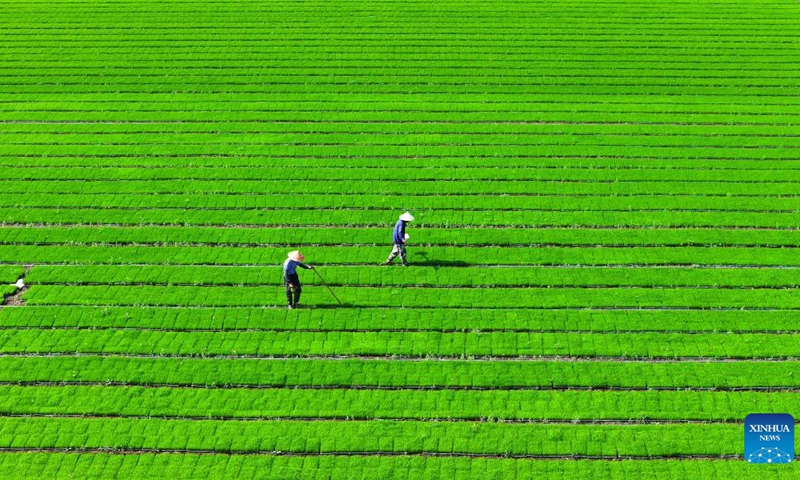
296, 256
407, 217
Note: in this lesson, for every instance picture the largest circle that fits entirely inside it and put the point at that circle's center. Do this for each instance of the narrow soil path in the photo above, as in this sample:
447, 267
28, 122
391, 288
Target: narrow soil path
15, 300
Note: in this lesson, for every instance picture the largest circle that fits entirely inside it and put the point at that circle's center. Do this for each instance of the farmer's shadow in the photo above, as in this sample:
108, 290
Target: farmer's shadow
329, 305
430, 262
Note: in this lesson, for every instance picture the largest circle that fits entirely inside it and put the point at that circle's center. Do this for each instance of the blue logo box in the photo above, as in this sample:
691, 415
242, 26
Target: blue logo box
769, 438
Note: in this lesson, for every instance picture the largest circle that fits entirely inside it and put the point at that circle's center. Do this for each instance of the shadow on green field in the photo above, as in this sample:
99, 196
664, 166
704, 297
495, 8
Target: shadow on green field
432, 262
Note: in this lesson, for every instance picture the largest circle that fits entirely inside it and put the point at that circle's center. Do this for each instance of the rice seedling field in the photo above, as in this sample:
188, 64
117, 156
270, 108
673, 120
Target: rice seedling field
604, 274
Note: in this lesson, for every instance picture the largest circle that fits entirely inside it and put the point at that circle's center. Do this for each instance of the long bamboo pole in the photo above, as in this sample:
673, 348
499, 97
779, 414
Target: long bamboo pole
329, 288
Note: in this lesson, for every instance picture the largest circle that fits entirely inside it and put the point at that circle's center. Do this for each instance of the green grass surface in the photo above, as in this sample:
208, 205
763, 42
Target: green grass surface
604, 266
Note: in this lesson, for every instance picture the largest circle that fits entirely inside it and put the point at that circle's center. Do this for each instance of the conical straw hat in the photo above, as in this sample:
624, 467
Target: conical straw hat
296, 256
407, 217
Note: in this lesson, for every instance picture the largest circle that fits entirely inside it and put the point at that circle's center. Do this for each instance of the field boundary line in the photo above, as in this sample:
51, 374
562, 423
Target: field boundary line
398, 330
409, 358
200, 208
342, 419
123, 451
478, 388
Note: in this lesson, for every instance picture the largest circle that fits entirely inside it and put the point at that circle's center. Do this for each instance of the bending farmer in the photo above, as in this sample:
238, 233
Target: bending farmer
399, 238
290, 279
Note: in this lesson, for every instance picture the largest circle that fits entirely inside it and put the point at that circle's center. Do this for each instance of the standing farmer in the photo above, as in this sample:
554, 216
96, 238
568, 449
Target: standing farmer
399, 238
290, 279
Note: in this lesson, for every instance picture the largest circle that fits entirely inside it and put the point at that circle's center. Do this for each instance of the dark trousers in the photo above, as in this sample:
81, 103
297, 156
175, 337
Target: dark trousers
293, 287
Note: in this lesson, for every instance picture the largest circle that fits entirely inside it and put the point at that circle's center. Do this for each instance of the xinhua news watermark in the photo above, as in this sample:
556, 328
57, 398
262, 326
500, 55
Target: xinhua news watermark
769, 438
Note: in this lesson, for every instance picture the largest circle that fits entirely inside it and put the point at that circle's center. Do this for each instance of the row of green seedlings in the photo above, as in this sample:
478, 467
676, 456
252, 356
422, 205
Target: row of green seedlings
733, 86
674, 298
391, 187
353, 466
382, 344
368, 404
359, 113
421, 256
441, 205
297, 436
408, 128
516, 163
179, 147
423, 276
406, 319
378, 218
371, 236
399, 373
284, 173
292, 87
